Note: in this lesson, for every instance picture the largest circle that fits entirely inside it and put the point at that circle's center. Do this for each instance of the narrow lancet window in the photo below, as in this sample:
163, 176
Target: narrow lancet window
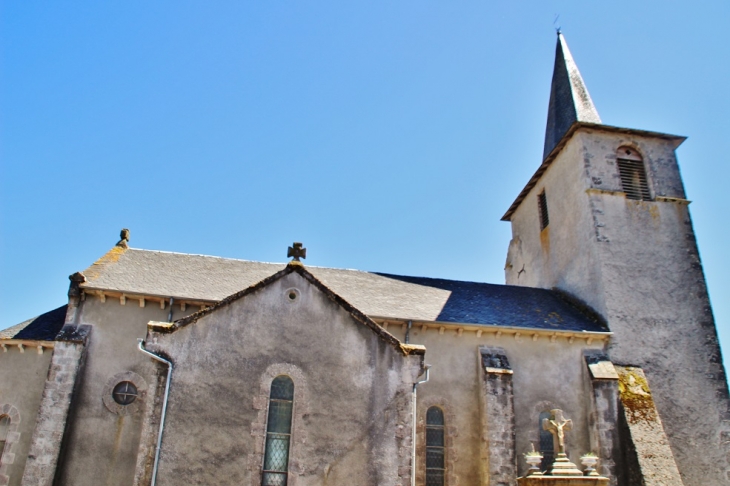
4, 425
633, 174
435, 452
543, 210
278, 432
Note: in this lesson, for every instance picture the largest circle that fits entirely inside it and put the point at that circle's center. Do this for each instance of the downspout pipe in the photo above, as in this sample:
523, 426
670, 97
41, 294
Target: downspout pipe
413, 426
164, 406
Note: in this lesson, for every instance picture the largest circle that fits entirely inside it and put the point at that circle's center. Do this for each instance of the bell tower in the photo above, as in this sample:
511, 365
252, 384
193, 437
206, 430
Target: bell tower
606, 220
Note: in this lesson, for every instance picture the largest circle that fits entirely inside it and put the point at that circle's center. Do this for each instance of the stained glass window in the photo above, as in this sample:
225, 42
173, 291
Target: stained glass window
278, 432
435, 452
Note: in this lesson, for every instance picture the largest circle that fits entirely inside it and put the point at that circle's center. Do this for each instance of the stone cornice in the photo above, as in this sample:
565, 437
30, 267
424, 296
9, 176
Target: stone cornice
23, 344
519, 334
143, 299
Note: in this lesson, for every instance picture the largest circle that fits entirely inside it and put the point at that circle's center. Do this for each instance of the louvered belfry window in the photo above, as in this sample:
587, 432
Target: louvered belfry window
543, 210
633, 174
278, 432
435, 452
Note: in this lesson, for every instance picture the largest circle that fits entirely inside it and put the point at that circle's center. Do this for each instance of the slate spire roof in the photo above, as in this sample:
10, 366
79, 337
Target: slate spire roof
569, 98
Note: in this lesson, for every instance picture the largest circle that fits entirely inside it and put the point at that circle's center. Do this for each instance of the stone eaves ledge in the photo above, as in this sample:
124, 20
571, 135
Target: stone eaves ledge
513, 332
23, 344
143, 299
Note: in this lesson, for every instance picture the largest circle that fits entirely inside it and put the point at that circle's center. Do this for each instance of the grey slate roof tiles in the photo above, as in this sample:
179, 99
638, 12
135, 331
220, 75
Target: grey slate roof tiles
41, 328
569, 98
198, 277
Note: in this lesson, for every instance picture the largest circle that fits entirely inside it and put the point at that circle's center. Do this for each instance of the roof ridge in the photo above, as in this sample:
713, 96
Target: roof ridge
292, 267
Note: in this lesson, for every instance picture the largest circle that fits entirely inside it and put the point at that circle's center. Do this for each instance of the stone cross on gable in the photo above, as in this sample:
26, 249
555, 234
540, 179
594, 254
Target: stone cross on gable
558, 425
296, 251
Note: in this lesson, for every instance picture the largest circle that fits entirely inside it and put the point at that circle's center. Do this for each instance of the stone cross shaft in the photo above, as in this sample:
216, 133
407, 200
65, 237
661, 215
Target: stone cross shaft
557, 426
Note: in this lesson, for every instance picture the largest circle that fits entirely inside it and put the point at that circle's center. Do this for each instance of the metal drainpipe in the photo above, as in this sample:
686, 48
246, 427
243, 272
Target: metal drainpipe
164, 406
413, 427
408, 332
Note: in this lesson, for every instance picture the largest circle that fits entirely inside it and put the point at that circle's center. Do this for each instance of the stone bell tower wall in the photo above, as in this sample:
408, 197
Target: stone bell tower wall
637, 264
560, 255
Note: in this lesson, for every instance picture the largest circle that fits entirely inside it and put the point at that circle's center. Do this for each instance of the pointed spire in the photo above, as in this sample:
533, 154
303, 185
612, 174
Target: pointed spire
569, 98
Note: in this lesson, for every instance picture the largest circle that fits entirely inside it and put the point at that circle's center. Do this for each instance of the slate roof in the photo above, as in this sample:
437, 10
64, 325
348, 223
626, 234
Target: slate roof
569, 98
41, 328
294, 267
378, 295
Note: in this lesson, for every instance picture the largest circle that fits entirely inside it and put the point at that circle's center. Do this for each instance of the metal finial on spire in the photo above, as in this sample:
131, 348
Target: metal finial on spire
296, 251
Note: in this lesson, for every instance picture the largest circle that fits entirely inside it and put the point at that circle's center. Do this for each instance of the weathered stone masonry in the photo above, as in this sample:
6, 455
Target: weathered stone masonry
604, 416
8, 454
499, 417
47, 437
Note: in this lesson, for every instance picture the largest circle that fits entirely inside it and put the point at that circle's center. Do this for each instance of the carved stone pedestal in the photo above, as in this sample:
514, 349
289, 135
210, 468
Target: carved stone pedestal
563, 467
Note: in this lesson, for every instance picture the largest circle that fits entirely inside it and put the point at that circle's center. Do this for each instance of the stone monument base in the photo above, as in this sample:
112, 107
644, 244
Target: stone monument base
537, 480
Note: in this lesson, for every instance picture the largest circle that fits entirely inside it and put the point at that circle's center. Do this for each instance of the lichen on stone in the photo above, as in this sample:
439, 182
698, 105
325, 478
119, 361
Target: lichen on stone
635, 395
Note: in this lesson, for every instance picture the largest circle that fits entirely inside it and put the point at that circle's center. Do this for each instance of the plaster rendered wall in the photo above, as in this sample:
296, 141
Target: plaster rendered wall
657, 303
561, 255
352, 402
660, 313
650, 287
101, 446
21, 386
546, 375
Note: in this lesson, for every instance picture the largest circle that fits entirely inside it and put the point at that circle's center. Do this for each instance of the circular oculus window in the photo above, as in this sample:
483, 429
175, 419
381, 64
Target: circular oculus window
292, 295
124, 393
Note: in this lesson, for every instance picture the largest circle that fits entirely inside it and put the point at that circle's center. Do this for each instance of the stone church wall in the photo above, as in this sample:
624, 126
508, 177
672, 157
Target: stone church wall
352, 393
655, 288
560, 255
547, 374
102, 444
21, 386
637, 264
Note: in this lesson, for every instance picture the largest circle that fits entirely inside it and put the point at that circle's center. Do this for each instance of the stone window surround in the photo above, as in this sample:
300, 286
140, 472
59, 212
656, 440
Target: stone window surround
258, 426
450, 433
133, 407
642, 159
13, 437
534, 434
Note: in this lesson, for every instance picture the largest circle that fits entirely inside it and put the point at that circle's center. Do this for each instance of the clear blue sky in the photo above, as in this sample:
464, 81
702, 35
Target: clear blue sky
386, 135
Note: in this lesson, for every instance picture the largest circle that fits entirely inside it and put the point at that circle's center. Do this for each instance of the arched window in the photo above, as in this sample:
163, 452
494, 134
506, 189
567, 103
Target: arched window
633, 174
547, 444
278, 432
4, 425
435, 460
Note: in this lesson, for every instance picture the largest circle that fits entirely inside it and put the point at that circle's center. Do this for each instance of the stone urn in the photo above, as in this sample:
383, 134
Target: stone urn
589, 461
534, 462
533, 459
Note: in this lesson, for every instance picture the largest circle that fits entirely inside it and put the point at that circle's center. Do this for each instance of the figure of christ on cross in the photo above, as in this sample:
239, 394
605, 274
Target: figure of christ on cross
557, 426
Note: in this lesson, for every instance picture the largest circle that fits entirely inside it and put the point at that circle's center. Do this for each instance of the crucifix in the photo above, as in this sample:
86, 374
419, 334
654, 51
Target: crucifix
296, 251
558, 425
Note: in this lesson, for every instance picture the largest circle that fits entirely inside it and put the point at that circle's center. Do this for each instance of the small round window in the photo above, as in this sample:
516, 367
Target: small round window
125, 393
291, 295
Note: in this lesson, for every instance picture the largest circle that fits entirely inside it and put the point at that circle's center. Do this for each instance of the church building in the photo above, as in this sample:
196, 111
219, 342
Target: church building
597, 362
